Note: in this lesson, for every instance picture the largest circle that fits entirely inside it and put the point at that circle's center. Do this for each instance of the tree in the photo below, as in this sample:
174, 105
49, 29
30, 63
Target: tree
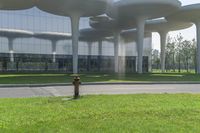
180, 54
170, 54
187, 53
155, 59
194, 54
178, 43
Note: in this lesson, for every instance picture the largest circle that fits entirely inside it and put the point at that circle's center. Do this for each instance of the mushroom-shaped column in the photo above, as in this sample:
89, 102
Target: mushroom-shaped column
16, 4
140, 11
131, 36
162, 26
91, 35
74, 9
100, 50
190, 13
89, 55
103, 22
54, 37
11, 35
116, 50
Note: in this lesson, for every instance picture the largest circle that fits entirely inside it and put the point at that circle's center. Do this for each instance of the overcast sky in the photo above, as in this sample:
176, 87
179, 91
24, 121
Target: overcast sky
187, 34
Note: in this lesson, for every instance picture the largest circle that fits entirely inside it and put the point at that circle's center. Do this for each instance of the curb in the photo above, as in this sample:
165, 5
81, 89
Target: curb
97, 83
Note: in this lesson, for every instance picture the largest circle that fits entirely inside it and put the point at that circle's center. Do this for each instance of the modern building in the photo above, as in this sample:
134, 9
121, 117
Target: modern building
34, 54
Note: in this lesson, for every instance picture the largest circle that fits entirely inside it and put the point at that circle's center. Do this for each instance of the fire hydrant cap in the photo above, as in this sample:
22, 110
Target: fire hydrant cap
77, 78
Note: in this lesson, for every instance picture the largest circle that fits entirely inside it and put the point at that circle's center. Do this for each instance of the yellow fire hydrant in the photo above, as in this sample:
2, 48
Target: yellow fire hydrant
76, 84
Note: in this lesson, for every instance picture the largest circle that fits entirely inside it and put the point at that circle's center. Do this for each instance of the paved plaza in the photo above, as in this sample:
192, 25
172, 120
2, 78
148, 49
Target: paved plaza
98, 89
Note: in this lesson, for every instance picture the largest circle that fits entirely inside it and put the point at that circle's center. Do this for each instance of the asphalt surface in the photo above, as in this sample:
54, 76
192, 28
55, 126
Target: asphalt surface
21, 92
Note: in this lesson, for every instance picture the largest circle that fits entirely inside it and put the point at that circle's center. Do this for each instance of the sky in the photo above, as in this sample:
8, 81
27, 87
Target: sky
188, 34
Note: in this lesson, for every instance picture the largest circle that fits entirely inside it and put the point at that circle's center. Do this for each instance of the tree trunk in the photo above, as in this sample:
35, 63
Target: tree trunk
179, 63
187, 65
174, 62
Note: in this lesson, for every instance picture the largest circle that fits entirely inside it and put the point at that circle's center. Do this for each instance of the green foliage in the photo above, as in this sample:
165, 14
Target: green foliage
180, 54
155, 59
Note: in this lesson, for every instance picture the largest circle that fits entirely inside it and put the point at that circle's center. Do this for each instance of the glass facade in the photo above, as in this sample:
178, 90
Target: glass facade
33, 54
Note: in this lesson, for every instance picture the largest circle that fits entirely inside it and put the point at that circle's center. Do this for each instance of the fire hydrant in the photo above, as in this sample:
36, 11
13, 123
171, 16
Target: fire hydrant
76, 84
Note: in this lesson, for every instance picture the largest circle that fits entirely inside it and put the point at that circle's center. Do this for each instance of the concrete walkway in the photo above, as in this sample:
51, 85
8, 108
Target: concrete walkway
98, 89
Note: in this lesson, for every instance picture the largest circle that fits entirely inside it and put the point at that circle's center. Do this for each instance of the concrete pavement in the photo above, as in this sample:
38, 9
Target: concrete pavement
98, 89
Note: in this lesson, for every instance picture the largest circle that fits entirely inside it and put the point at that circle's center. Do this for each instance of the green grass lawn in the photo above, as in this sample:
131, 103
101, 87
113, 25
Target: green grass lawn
67, 78
143, 113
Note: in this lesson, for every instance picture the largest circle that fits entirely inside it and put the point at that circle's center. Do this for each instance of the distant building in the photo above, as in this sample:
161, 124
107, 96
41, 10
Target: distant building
31, 54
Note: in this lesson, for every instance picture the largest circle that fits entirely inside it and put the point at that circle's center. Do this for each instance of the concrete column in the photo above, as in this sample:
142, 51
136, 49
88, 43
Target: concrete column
122, 61
89, 48
136, 64
100, 53
100, 47
198, 47
53, 43
150, 53
10, 47
75, 38
89, 55
116, 50
140, 42
163, 39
